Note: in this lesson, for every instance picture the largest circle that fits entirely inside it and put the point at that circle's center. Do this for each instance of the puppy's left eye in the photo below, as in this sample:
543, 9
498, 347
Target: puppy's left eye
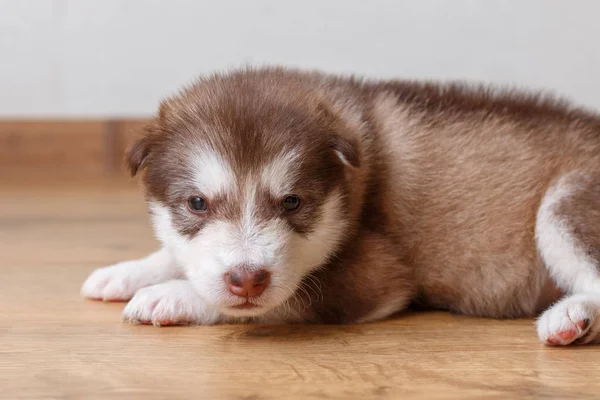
197, 204
291, 203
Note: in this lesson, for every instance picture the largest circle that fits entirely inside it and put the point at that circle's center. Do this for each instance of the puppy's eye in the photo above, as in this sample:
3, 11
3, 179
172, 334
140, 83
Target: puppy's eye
291, 203
197, 204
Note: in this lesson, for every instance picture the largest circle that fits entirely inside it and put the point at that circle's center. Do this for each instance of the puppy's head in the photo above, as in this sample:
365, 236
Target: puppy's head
248, 177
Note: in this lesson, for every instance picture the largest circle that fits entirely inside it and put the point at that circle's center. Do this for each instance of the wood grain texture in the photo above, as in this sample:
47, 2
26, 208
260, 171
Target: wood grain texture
65, 149
55, 345
127, 131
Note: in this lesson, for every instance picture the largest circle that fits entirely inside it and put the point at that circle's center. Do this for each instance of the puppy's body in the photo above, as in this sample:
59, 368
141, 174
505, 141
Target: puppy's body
477, 201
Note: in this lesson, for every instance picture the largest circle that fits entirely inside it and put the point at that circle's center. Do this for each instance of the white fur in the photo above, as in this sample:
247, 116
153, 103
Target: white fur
562, 324
342, 157
122, 280
313, 250
569, 266
222, 245
170, 303
211, 172
164, 230
249, 230
280, 175
392, 306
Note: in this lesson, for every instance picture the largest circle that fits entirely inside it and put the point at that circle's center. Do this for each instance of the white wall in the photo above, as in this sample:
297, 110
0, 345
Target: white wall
95, 58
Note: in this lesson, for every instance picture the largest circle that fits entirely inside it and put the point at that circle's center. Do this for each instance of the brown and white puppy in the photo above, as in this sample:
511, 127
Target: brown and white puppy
294, 196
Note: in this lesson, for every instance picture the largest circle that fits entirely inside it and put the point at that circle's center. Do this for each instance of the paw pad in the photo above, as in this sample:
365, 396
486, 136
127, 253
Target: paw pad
568, 335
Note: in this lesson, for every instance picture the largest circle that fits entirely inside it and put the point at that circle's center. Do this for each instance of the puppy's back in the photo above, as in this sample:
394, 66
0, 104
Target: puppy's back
460, 174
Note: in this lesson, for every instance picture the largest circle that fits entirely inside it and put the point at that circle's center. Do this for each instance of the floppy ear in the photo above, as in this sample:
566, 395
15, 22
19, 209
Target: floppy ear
340, 137
138, 153
346, 149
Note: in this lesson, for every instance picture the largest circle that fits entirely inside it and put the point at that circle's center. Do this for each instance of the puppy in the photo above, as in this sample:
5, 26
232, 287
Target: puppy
296, 196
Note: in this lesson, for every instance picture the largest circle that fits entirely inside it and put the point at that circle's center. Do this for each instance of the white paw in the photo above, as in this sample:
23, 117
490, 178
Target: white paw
121, 281
171, 303
118, 282
574, 320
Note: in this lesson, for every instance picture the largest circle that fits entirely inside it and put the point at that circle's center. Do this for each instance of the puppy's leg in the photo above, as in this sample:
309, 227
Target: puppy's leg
171, 303
568, 239
119, 282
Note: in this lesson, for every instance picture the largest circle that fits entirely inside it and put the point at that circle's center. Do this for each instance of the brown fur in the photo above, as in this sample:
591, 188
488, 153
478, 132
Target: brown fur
219, 116
442, 187
366, 274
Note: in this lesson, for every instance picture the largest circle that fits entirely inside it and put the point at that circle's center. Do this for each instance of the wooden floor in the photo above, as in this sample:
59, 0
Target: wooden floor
53, 344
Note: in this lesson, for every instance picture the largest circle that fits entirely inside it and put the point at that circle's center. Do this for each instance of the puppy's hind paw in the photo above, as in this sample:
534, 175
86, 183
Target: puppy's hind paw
574, 320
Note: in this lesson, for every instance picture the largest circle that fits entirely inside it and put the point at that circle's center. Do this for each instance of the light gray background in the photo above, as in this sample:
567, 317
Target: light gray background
98, 58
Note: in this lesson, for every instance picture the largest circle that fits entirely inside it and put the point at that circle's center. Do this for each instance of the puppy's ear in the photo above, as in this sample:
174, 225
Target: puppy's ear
138, 153
346, 149
341, 139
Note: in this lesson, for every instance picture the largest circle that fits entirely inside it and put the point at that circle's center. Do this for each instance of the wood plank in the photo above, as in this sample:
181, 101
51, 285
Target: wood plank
127, 132
67, 147
57, 149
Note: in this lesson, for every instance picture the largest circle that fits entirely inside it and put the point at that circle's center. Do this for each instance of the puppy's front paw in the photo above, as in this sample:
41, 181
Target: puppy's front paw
118, 282
574, 320
170, 303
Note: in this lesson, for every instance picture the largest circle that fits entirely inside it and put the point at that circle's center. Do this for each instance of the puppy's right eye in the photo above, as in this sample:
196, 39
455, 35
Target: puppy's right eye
291, 203
197, 204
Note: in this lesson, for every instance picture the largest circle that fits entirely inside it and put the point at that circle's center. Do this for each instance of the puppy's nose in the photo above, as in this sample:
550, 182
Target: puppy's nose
246, 282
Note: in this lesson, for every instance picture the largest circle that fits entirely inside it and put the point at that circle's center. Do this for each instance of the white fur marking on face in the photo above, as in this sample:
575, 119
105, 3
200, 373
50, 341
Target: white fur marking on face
254, 242
248, 218
212, 174
164, 230
328, 232
281, 174
271, 244
567, 262
289, 256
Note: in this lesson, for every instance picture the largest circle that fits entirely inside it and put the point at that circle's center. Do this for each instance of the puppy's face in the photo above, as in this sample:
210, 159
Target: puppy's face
247, 185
